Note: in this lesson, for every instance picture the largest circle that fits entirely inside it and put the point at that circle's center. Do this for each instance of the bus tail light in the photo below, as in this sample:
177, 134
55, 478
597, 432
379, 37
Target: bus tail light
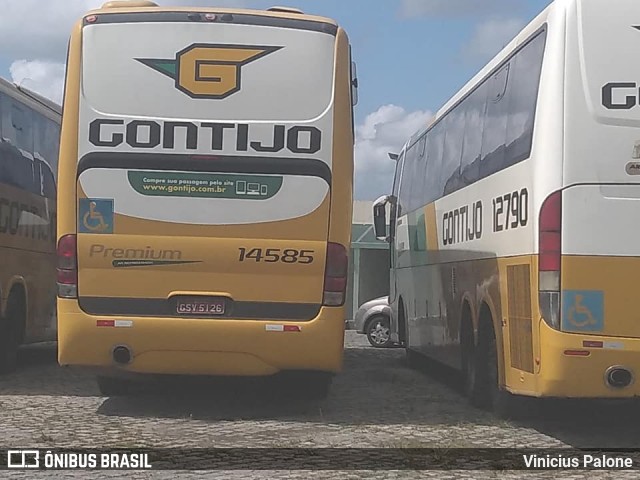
549, 258
67, 271
335, 275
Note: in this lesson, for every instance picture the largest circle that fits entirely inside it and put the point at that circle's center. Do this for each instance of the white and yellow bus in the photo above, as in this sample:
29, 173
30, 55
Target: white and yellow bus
29, 139
514, 257
207, 170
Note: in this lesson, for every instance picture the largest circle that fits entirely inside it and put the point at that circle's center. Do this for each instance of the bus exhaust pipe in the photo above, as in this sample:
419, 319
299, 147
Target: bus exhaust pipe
121, 355
618, 377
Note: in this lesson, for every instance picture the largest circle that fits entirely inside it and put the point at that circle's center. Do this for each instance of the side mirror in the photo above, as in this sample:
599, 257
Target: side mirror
380, 217
354, 84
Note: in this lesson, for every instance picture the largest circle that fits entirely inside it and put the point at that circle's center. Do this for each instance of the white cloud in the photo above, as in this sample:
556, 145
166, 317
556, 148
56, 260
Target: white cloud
40, 29
37, 29
490, 36
35, 33
43, 77
457, 8
383, 131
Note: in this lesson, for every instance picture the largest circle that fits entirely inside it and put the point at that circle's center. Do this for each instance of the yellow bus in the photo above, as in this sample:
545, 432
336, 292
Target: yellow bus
29, 134
207, 177
514, 217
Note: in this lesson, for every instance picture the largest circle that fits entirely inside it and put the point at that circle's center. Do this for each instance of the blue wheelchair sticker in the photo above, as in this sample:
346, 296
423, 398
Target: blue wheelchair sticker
95, 215
582, 310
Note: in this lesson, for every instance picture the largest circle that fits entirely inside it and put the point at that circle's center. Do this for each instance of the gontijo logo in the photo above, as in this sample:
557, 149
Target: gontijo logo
210, 71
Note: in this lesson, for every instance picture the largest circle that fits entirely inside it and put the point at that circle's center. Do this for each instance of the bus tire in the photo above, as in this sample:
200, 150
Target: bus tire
469, 353
10, 332
113, 387
502, 403
314, 385
412, 358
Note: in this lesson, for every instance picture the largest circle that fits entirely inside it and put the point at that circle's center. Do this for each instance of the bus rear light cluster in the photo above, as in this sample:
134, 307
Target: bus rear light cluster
335, 275
549, 259
67, 271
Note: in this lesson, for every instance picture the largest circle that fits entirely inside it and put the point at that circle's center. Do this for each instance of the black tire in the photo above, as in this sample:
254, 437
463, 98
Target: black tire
10, 329
314, 385
502, 403
114, 387
378, 331
412, 359
470, 378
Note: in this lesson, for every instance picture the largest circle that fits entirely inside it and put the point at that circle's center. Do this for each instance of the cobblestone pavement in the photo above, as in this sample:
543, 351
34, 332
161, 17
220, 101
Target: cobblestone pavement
376, 402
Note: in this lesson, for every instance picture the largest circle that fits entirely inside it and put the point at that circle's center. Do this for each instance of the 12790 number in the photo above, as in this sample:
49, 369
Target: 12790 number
274, 255
511, 211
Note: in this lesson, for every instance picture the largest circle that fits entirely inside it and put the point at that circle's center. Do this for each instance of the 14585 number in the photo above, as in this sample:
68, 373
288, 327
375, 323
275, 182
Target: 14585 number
274, 255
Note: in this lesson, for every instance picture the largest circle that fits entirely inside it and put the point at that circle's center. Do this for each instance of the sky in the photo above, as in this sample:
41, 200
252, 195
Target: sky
412, 56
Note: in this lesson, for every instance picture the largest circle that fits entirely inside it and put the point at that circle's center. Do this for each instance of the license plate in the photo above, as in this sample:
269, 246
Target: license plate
200, 307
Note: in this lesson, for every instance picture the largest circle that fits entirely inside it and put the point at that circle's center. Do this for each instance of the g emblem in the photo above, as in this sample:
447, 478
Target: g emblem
210, 71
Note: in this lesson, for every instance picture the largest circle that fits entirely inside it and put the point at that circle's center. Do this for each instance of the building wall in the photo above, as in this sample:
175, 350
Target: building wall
371, 277
349, 298
369, 261
374, 274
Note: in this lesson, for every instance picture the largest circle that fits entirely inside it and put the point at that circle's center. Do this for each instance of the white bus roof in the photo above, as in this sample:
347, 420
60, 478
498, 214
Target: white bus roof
19, 91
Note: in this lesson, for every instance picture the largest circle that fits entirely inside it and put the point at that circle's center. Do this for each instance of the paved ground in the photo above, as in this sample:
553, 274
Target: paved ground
376, 402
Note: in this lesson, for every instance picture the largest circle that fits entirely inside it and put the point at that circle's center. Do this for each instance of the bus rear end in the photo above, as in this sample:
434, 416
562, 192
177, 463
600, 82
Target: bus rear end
590, 229
205, 182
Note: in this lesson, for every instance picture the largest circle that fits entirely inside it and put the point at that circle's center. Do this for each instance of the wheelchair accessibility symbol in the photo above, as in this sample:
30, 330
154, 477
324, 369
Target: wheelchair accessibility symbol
95, 216
582, 310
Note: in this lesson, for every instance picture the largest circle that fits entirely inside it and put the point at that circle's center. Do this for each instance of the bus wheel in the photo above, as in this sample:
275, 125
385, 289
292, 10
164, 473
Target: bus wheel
412, 358
502, 403
470, 382
311, 385
113, 387
10, 333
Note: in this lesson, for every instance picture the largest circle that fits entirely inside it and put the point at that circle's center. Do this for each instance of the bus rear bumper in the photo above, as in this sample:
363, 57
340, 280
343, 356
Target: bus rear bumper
577, 365
178, 346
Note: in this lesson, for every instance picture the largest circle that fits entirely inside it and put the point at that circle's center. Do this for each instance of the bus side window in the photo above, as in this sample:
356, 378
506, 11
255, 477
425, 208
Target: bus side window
435, 147
395, 205
354, 80
414, 189
46, 140
474, 109
39, 151
417, 190
49, 182
22, 167
53, 144
495, 125
4, 146
522, 101
404, 187
450, 173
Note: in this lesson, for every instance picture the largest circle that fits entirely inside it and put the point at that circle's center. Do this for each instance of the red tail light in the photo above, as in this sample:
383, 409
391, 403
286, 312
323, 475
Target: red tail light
335, 275
67, 271
67, 277
549, 259
550, 233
